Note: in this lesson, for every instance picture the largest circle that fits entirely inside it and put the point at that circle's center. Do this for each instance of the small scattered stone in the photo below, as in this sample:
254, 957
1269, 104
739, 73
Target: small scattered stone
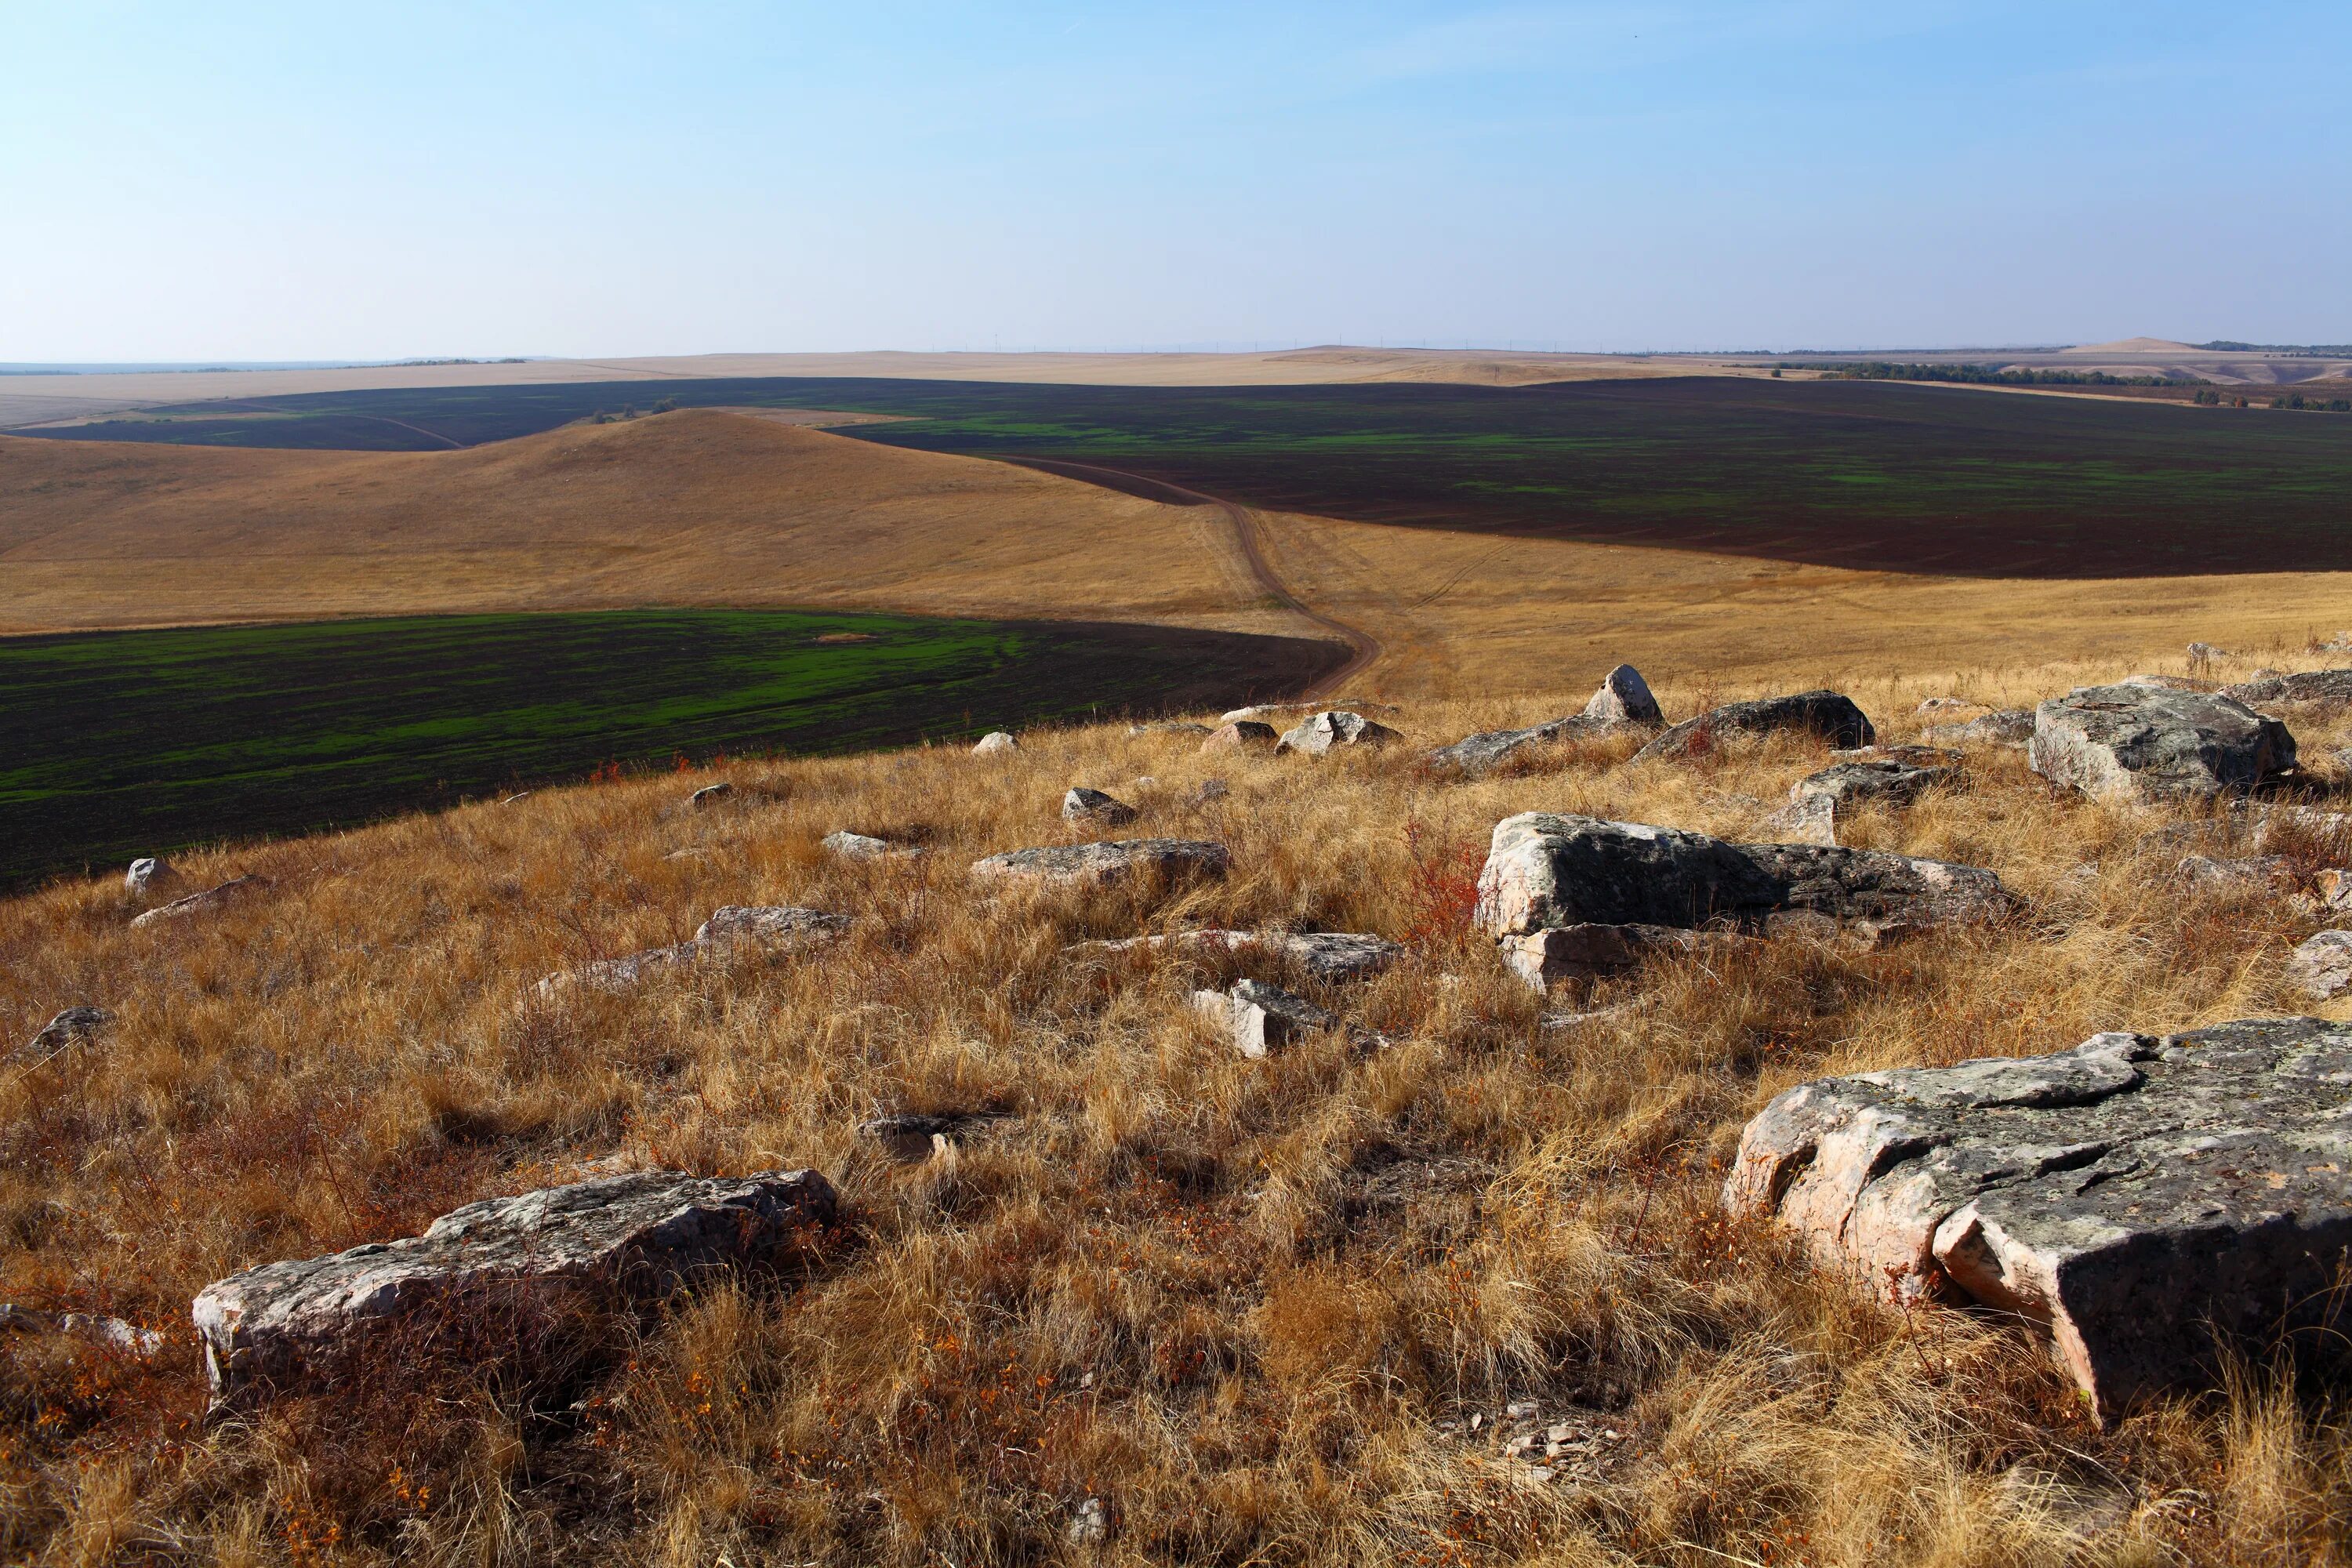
1323, 955
2005, 727
1091, 1526
109, 1333
910, 1136
2335, 888
1333, 728
710, 794
74, 1026
1623, 699
1094, 808
1242, 736
150, 877
1211, 790
211, 899
1169, 727
518, 795
1261, 1018
844, 844
995, 743
783, 928
2252, 874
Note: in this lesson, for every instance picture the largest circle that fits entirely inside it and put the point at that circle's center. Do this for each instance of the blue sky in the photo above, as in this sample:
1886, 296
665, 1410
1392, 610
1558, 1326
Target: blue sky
368, 180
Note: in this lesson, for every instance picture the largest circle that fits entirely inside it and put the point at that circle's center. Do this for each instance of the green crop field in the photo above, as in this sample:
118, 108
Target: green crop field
119, 743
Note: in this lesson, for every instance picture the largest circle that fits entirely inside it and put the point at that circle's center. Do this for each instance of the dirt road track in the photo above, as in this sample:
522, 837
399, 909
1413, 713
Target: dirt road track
1249, 537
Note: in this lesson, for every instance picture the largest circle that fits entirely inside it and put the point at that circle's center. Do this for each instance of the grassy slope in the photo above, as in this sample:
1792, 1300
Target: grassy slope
1237, 1299
694, 508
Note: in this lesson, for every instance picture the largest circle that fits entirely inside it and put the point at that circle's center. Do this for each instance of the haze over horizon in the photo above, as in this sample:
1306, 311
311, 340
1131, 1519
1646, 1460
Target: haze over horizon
271, 184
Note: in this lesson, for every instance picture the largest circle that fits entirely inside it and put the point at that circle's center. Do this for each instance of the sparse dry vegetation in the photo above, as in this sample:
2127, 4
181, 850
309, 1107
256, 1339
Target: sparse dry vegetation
1252, 1307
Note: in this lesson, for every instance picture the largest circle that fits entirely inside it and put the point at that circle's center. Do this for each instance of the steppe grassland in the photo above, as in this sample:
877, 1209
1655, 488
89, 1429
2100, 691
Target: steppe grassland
1233, 1299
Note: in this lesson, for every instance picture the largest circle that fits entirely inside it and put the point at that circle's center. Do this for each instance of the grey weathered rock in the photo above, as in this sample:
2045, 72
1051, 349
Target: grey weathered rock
2334, 886
1827, 715
210, 900
1807, 819
1623, 699
1211, 790
710, 794
74, 1026
1327, 955
2155, 742
2322, 965
150, 877
847, 846
1544, 871
1890, 780
1333, 728
1091, 1526
1169, 727
2250, 874
614, 977
2132, 1195
1110, 861
1544, 958
2314, 688
909, 1136
1276, 709
1261, 1018
1094, 808
614, 1242
995, 743
781, 928
2003, 726
2160, 682
1242, 736
108, 1333
1475, 755
1947, 707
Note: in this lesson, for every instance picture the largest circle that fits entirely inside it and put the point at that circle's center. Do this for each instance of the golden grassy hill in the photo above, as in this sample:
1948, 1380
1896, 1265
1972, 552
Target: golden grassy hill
686, 509
1254, 1307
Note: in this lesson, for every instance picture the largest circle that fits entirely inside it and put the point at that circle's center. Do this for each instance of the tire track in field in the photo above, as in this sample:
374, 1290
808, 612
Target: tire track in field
1364, 650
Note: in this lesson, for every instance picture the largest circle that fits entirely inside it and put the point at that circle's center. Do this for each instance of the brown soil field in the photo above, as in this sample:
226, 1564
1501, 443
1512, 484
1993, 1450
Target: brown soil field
689, 508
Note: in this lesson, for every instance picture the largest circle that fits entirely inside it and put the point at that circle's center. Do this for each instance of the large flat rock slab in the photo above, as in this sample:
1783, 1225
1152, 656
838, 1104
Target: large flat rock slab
1552, 871
1109, 861
1326, 955
594, 1245
2152, 742
2132, 1195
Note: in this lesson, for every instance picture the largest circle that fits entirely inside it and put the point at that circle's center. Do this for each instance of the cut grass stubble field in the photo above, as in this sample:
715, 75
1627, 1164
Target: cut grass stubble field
1249, 1305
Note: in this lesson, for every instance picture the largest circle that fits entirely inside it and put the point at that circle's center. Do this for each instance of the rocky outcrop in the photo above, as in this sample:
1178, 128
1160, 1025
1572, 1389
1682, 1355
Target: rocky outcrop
501, 1272
206, 903
1321, 955
1093, 808
1546, 872
1825, 715
1334, 728
1110, 861
1242, 736
150, 877
2312, 688
996, 743
2132, 1196
1623, 701
2321, 967
2154, 743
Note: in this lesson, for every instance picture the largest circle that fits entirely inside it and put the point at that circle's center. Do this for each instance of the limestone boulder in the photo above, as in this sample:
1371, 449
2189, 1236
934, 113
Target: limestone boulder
500, 1273
1827, 716
2154, 743
710, 794
2321, 967
1326, 732
150, 877
1112, 860
2312, 688
1093, 808
995, 743
1546, 871
2131, 1196
1242, 736
210, 901
1623, 699
844, 844
1171, 727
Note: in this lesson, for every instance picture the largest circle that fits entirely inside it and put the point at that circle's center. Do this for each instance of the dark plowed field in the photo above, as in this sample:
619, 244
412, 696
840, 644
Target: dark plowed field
120, 744
1864, 474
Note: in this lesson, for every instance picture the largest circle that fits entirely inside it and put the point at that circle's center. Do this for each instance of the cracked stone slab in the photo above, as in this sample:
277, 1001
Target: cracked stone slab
1261, 1019
1547, 870
614, 1242
2155, 742
1828, 715
1326, 955
2132, 1196
1109, 861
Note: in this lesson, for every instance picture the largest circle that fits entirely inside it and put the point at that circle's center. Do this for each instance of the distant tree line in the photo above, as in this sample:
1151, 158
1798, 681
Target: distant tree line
1985, 374
2300, 350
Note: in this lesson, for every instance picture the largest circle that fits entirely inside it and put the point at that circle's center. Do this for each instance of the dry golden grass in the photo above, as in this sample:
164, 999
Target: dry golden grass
691, 508
1249, 1305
